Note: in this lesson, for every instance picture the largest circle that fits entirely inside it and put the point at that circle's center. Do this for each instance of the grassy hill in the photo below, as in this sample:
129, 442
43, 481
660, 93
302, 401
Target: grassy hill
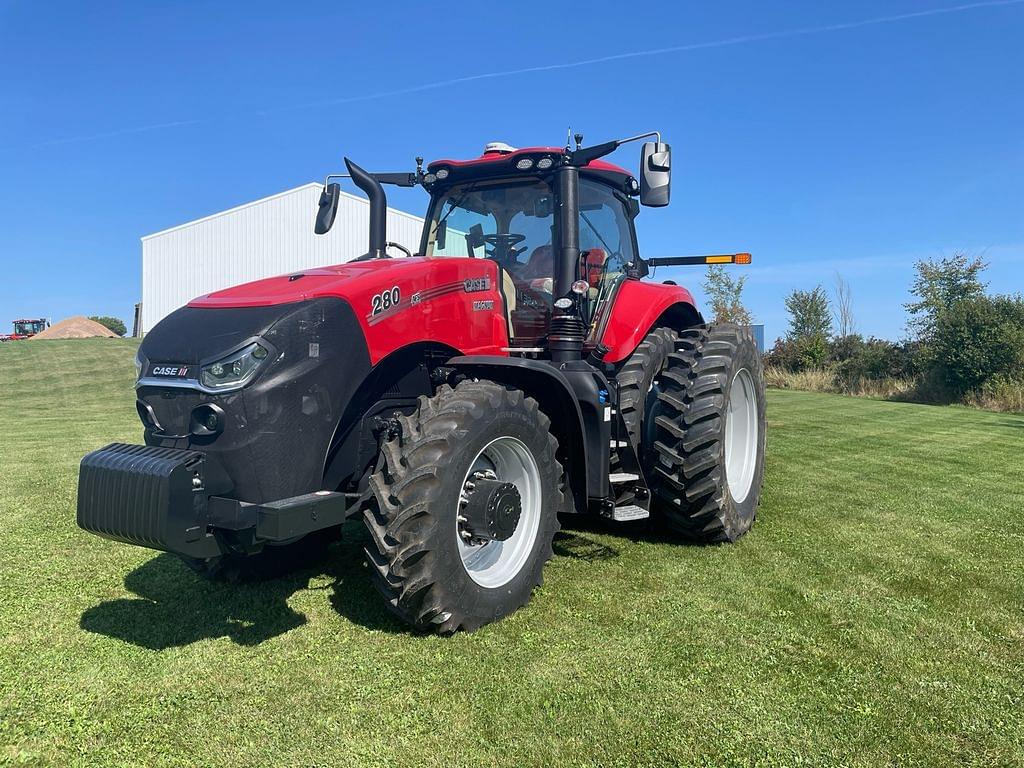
874, 616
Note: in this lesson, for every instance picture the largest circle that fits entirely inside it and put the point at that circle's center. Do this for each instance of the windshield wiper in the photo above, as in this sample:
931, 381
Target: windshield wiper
593, 229
456, 204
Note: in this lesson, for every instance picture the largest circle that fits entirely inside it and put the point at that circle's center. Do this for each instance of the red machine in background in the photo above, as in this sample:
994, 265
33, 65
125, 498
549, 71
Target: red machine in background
24, 329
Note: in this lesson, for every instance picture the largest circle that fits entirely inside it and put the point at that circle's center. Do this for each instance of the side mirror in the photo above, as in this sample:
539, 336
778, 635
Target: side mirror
328, 208
475, 238
655, 173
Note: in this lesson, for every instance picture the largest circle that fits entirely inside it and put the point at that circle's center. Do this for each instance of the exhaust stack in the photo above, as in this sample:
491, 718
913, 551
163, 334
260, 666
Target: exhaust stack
378, 208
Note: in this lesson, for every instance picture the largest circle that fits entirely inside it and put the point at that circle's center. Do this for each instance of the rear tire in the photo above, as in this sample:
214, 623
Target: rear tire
636, 380
421, 562
709, 422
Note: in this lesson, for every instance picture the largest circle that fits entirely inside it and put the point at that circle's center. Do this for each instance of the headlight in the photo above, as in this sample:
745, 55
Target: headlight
234, 370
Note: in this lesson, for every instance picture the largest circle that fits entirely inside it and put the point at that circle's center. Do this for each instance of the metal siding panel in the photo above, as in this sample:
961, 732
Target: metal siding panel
270, 237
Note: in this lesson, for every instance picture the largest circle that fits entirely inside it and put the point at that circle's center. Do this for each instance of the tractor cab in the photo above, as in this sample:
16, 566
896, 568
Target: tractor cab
504, 206
29, 327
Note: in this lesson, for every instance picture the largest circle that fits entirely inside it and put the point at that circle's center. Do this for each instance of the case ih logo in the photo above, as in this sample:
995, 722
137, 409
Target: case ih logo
473, 284
176, 371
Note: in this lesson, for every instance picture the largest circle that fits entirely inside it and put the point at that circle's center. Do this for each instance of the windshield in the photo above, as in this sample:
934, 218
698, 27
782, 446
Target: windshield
505, 221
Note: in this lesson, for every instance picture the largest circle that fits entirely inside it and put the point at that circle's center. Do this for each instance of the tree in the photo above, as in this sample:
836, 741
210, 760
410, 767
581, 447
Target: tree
810, 326
725, 296
845, 324
941, 284
809, 314
111, 323
977, 340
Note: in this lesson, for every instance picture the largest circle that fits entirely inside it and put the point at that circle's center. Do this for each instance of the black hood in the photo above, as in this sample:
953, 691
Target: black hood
278, 428
192, 334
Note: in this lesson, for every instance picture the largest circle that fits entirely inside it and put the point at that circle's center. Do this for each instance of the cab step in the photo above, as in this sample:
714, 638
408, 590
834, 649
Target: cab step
622, 477
629, 512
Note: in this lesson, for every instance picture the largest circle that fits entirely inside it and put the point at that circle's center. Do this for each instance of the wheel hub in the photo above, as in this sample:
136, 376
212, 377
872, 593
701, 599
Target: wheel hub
490, 508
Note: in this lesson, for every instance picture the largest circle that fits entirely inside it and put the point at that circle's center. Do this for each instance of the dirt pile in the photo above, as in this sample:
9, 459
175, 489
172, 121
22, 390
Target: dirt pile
76, 328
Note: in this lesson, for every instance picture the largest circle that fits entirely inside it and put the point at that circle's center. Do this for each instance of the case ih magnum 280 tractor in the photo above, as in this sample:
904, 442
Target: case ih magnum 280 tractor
459, 399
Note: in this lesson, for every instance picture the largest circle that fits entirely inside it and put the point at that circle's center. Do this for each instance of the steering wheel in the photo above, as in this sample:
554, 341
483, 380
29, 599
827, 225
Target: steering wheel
508, 239
506, 242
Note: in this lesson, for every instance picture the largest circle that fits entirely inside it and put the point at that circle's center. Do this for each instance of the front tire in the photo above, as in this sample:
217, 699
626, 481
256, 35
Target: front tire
441, 553
710, 434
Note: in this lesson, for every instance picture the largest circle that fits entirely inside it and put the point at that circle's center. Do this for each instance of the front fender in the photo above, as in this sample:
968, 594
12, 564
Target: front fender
557, 399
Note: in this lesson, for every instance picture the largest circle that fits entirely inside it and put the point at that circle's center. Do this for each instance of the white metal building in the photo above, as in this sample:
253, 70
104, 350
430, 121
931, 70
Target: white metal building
268, 237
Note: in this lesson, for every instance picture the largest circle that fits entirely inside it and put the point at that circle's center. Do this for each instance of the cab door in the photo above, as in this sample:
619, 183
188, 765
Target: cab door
607, 246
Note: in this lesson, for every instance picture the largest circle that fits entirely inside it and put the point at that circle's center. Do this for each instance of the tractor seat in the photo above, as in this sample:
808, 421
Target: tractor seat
541, 264
508, 290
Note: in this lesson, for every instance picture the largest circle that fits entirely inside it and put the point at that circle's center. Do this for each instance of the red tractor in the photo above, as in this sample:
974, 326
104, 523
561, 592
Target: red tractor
517, 368
24, 329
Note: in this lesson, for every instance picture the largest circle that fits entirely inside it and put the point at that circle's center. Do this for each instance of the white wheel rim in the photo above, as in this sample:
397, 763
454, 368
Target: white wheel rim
741, 435
495, 563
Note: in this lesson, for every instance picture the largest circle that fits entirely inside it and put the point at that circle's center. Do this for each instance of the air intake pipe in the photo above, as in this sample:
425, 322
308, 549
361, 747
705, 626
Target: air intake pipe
565, 338
378, 208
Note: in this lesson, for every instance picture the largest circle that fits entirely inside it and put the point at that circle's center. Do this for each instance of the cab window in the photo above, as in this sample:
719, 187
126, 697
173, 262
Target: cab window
606, 242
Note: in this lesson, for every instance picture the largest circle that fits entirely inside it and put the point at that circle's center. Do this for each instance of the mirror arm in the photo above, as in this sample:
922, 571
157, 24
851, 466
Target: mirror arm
583, 156
336, 176
397, 179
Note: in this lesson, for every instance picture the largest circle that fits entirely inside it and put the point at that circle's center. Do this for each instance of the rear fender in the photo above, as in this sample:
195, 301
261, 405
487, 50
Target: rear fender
638, 307
553, 392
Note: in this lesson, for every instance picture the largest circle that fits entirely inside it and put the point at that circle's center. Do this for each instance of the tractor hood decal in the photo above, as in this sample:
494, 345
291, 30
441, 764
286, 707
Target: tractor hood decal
416, 299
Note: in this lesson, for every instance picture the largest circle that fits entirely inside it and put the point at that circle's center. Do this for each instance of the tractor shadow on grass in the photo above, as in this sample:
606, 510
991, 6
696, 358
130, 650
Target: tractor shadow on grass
176, 607
353, 595
573, 544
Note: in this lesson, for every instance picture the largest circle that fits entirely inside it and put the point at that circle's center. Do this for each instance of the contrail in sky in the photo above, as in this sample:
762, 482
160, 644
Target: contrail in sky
721, 43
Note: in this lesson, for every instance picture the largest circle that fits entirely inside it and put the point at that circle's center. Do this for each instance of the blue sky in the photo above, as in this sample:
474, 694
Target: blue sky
842, 136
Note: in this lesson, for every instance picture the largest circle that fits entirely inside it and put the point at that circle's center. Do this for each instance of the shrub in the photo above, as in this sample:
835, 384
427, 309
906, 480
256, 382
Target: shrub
977, 341
1000, 393
799, 354
859, 359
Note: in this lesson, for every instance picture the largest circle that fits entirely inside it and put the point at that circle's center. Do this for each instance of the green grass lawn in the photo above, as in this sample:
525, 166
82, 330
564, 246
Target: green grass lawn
874, 616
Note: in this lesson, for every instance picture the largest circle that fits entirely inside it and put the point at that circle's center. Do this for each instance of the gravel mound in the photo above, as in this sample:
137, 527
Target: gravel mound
75, 328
